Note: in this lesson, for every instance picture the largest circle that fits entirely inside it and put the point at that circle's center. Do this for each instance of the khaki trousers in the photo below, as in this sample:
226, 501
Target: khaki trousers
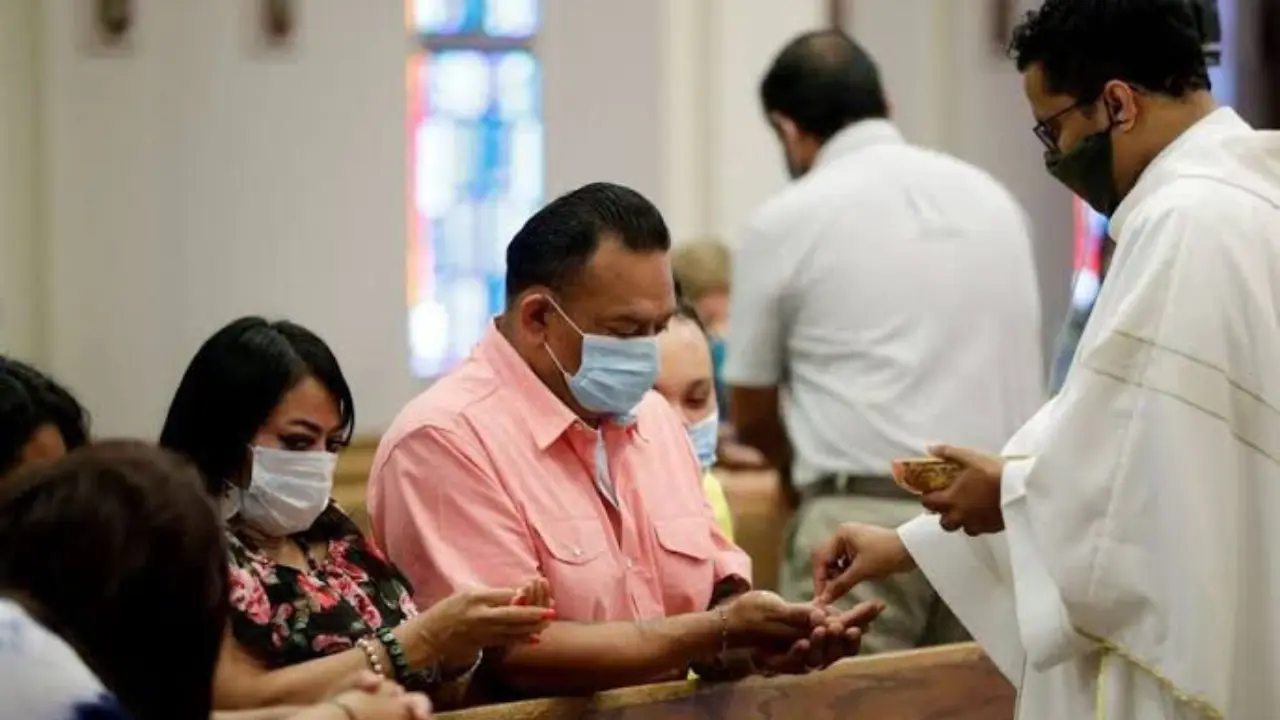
914, 615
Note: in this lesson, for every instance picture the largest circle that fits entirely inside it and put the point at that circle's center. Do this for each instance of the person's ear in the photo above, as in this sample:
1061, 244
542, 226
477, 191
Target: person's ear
533, 312
786, 128
1121, 103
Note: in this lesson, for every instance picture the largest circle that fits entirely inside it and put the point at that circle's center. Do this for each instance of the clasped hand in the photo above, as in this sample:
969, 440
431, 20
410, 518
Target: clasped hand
795, 638
457, 628
972, 501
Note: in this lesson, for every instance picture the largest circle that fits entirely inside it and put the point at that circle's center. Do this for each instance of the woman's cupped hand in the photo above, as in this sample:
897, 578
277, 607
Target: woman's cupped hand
458, 627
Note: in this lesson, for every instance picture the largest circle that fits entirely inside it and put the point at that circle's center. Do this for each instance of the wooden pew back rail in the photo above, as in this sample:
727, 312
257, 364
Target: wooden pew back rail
956, 682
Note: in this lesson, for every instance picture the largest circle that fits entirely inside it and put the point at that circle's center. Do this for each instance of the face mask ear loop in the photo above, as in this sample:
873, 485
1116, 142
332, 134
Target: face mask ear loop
572, 324
554, 359
564, 314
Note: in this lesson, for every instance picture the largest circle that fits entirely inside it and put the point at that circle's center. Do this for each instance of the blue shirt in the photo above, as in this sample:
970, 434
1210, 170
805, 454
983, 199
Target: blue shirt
42, 678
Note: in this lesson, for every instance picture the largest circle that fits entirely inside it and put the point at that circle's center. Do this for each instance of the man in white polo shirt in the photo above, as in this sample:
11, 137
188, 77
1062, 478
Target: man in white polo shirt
884, 300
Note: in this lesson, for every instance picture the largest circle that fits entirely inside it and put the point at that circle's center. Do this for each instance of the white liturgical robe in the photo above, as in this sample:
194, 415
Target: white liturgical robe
1138, 576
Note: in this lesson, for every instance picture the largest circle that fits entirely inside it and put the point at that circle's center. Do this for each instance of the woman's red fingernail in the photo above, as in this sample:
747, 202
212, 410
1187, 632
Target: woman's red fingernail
549, 615
534, 639
522, 600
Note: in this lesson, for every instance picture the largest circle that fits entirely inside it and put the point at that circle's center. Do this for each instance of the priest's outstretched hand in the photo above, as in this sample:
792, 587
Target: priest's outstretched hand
854, 554
972, 501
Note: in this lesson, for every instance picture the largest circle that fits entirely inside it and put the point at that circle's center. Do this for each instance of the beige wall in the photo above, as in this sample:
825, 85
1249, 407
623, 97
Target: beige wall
196, 178
20, 280
154, 196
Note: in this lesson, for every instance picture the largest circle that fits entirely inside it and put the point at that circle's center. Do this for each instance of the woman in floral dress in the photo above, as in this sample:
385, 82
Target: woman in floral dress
262, 410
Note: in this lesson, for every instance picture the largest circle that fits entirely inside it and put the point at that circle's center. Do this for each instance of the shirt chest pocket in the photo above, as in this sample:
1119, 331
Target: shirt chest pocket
572, 542
686, 561
575, 559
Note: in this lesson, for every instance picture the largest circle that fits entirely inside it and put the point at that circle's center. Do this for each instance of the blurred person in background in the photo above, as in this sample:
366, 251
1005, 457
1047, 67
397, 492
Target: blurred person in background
39, 420
1119, 555
703, 269
262, 410
884, 299
684, 379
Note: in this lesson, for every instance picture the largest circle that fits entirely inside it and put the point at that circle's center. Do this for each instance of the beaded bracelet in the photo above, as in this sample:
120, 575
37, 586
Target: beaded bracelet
371, 654
399, 663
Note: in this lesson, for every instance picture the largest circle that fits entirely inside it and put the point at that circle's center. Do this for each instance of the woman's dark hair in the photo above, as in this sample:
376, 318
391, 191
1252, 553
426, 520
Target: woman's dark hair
28, 400
234, 382
121, 551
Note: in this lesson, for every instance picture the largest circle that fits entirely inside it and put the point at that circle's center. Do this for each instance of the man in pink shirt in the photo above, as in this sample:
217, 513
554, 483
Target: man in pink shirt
546, 454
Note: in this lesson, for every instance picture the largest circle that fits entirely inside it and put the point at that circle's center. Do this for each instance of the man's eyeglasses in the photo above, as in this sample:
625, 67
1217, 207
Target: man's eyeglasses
1047, 130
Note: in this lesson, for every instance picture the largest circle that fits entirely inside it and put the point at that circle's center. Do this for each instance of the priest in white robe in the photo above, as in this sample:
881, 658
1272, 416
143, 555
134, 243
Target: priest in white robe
1126, 558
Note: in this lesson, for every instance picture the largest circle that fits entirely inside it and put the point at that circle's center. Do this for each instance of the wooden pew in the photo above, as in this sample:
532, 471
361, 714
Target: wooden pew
760, 515
955, 682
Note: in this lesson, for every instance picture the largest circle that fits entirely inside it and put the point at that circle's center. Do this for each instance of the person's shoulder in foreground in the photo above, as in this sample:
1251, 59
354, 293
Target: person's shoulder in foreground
42, 677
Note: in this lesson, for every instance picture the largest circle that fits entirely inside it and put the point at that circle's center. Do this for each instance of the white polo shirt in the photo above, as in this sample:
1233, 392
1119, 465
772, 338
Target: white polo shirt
891, 292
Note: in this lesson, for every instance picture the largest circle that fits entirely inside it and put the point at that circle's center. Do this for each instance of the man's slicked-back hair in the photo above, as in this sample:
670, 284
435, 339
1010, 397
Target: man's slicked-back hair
559, 240
823, 81
1081, 45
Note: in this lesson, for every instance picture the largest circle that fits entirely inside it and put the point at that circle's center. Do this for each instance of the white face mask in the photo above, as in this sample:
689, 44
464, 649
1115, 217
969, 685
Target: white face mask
287, 490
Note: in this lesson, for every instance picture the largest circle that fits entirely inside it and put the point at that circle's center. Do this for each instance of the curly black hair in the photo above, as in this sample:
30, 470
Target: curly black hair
1081, 45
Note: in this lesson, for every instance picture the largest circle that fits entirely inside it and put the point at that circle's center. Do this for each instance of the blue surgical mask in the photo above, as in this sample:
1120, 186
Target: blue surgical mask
705, 435
615, 373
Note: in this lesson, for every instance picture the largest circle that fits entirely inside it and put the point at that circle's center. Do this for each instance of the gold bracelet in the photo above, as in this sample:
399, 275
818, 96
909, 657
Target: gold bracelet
724, 629
371, 654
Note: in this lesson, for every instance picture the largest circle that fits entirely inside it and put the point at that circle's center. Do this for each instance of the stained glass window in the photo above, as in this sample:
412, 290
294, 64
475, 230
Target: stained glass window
476, 171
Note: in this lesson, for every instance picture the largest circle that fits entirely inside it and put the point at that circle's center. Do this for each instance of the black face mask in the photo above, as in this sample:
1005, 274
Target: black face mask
1086, 170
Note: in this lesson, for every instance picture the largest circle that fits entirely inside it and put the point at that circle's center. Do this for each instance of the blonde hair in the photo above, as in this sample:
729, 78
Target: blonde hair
702, 267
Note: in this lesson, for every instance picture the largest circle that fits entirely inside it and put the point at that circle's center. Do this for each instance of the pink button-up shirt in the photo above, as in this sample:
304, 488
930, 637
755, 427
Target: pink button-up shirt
488, 480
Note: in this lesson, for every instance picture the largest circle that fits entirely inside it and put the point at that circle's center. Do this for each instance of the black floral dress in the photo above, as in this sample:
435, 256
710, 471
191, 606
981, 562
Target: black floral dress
286, 616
